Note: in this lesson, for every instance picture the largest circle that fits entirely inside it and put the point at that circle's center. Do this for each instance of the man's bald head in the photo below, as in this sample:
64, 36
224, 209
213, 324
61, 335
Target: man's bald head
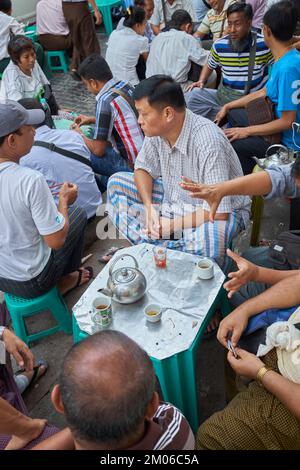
106, 384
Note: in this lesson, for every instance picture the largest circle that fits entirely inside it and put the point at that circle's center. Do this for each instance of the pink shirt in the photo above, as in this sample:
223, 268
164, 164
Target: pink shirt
259, 8
50, 18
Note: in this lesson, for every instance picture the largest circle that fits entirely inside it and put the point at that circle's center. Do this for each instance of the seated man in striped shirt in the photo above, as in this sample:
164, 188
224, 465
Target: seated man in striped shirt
232, 54
150, 205
107, 393
118, 137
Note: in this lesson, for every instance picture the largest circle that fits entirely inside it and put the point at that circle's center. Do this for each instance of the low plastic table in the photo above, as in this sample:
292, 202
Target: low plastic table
188, 305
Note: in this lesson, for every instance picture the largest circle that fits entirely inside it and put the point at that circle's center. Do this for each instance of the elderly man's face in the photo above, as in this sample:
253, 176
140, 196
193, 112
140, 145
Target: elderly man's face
152, 120
238, 26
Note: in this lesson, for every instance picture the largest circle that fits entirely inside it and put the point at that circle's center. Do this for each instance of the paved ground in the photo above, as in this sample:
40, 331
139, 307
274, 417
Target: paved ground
210, 357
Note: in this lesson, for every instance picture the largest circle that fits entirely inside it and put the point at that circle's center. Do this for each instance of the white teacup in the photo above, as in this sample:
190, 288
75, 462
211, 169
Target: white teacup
205, 269
153, 313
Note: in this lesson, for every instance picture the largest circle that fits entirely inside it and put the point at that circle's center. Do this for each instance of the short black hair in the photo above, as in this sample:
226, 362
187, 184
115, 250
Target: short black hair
282, 19
178, 19
2, 139
106, 384
133, 16
5, 6
295, 170
161, 91
32, 103
17, 46
95, 67
245, 8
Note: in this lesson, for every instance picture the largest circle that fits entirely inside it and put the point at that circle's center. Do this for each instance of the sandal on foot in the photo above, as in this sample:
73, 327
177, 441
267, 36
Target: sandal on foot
80, 271
36, 372
109, 254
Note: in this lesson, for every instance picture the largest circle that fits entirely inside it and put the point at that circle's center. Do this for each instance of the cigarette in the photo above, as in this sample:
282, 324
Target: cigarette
85, 258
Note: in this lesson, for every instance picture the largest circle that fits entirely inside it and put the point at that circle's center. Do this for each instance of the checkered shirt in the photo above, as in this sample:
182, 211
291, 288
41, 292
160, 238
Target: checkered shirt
203, 153
116, 121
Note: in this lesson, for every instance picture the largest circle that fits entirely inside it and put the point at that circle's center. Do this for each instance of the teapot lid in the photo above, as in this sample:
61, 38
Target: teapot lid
124, 275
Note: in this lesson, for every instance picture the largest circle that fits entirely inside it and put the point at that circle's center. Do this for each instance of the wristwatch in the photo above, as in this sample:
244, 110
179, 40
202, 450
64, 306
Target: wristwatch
2, 328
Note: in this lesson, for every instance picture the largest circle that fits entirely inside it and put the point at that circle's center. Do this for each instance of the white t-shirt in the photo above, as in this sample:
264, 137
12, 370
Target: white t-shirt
171, 54
57, 169
16, 85
157, 17
27, 212
122, 55
8, 25
50, 18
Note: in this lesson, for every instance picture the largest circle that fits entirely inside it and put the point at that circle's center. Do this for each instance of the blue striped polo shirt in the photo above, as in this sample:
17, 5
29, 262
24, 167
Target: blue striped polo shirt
234, 65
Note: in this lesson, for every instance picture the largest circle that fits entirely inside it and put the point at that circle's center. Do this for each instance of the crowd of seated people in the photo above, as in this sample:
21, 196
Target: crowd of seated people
148, 6
176, 52
127, 46
171, 152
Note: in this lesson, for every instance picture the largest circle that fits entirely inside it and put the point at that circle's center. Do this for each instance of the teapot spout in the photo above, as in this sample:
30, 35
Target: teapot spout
106, 291
260, 162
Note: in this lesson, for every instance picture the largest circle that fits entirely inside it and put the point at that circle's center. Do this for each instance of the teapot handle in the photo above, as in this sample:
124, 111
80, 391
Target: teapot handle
278, 146
118, 259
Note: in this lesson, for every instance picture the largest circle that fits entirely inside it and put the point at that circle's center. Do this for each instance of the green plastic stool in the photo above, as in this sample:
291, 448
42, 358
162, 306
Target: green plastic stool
63, 59
20, 308
30, 32
105, 8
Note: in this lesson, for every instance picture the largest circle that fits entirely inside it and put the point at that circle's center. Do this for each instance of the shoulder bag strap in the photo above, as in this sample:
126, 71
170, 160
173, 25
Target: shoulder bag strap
65, 153
252, 55
126, 98
222, 26
206, 4
164, 11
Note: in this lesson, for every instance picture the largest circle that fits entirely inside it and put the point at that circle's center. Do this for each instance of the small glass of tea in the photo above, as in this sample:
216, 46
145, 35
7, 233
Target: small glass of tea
160, 256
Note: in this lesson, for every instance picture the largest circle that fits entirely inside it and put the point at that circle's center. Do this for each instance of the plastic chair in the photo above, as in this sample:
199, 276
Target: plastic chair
63, 61
20, 308
257, 209
105, 8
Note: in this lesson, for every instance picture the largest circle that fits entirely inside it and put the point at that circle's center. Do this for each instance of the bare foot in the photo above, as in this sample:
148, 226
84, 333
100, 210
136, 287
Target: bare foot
33, 429
68, 282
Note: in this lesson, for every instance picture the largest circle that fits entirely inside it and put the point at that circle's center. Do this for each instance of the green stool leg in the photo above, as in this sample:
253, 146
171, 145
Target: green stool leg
61, 313
106, 14
19, 325
78, 335
20, 309
62, 60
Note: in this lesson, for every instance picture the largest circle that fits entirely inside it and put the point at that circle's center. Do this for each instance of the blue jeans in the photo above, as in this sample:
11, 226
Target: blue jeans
108, 165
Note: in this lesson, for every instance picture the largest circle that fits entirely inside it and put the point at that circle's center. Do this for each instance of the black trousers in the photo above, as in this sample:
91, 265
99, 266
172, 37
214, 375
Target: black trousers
295, 214
246, 148
61, 262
